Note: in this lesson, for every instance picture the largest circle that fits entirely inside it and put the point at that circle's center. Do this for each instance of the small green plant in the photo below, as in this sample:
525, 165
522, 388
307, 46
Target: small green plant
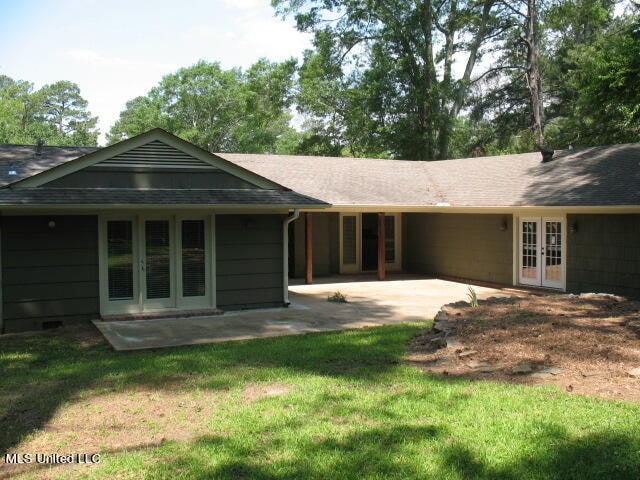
472, 296
337, 297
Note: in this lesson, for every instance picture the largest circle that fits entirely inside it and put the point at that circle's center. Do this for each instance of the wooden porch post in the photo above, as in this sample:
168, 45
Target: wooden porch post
381, 249
308, 253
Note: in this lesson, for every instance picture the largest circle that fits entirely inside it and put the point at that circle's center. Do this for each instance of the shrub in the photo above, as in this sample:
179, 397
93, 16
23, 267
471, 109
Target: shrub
472, 296
337, 297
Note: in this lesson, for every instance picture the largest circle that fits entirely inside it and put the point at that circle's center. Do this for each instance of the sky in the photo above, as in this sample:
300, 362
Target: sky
117, 50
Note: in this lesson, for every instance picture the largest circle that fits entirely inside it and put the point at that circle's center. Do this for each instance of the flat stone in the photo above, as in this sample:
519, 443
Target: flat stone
441, 315
467, 353
444, 361
489, 369
547, 372
522, 368
635, 372
443, 326
440, 342
454, 343
476, 364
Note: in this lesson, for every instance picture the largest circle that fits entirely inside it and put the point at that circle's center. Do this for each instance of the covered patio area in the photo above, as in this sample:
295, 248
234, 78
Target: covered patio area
370, 303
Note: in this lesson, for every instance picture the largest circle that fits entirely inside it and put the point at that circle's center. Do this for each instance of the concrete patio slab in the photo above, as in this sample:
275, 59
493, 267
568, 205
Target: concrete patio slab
370, 303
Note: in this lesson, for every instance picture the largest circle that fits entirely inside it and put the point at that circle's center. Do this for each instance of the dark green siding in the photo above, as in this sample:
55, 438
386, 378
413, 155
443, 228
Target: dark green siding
326, 246
603, 254
249, 261
459, 245
121, 177
49, 274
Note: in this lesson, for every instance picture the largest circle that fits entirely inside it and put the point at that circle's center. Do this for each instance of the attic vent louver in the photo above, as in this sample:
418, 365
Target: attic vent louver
39, 145
547, 155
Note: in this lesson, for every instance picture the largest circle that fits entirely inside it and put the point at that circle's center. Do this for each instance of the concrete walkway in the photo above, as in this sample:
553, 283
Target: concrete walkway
370, 303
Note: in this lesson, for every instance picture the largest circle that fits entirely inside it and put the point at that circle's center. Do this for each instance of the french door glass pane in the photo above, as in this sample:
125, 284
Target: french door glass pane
158, 258
193, 258
349, 240
553, 251
120, 259
529, 250
389, 239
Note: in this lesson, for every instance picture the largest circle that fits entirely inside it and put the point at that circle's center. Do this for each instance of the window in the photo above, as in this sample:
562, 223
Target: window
193, 258
349, 238
120, 259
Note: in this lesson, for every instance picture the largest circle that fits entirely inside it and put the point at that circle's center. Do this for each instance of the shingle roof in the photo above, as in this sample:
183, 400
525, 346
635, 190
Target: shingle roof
347, 181
22, 159
127, 196
597, 176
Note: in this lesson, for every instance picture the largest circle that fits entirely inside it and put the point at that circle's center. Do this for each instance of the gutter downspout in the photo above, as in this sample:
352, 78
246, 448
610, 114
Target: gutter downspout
285, 254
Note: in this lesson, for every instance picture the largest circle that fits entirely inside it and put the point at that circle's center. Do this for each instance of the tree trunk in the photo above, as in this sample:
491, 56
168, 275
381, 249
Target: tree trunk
429, 99
446, 122
534, 78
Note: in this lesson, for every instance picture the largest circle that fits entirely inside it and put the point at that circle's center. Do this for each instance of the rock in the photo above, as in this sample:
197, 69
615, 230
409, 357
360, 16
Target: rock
634, 372
441, 315
484, 367
522, 368
439, 341
454, 343
489, 369
446, 360
492, 369
443, 326
467, 353
547, 372
476, 364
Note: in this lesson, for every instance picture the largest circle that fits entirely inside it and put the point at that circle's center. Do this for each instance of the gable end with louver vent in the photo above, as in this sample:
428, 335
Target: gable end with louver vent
155, 154
153, 165
152, 160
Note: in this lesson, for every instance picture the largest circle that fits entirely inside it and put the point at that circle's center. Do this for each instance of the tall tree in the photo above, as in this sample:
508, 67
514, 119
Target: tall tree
607, 83
219, 110
55, 113
380, 79
64, 108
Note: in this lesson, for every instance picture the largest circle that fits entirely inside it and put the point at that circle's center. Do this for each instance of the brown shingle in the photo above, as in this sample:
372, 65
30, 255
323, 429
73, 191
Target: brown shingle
598, 176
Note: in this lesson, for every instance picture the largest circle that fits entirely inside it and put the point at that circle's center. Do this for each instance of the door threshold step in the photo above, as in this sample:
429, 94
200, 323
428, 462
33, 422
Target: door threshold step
157, 315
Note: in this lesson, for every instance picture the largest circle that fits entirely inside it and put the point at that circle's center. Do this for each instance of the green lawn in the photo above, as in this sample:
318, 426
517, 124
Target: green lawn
347, 407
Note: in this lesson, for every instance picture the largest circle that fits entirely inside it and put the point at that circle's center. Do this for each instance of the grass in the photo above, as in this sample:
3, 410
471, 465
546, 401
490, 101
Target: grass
334, 405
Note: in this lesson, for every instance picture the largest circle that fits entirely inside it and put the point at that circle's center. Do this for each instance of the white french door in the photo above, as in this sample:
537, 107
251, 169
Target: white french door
541, 251
152, 263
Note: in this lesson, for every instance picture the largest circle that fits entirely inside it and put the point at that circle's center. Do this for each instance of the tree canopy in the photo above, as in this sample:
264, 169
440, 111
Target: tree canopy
219, 110
55, 113
420, 80
434, 79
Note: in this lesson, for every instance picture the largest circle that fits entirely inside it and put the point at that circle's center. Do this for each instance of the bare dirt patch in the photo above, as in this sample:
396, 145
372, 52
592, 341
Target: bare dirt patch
585, 344
255, 392
119, 421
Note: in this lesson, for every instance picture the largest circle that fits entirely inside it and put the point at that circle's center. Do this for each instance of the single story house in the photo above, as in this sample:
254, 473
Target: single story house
155, 225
